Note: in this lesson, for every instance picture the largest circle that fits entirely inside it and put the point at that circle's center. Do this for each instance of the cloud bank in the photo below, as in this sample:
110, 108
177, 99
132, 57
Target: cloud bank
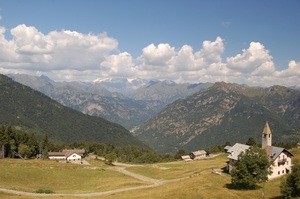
69, 55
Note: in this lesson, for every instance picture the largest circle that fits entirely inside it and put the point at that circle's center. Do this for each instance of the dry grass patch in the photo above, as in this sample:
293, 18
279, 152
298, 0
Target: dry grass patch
32, 175
180, 169
205, 185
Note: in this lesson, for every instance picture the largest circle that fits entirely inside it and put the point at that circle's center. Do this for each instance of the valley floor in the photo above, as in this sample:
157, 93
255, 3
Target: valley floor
195, 179
154, 183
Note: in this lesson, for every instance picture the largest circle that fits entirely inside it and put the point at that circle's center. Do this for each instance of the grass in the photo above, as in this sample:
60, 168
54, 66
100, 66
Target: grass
32, 175
179, 169
69, 178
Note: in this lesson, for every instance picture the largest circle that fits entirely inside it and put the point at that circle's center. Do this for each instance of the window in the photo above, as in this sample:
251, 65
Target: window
278, 172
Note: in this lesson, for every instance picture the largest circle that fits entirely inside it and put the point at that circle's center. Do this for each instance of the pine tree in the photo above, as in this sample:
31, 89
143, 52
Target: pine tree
10, 143
45, 147
33, 145
251, 142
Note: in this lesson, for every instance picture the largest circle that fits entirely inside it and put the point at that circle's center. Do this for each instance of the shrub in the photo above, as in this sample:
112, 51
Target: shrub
45, 191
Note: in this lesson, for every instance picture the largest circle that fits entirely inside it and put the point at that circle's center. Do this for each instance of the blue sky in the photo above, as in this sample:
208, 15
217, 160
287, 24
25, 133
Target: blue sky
254, 42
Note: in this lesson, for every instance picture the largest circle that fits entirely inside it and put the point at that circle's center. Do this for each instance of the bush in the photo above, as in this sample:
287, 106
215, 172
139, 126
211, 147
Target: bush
291, 186
45, 191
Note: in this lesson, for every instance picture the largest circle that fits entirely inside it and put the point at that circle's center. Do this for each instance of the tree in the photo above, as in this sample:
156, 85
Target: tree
291, 187
251, 142
33, 144
9, 141
24, 151
251, 168
45, 147
180, 153
111, 157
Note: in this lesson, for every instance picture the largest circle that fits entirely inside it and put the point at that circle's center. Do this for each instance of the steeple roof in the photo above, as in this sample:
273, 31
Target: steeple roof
267, 129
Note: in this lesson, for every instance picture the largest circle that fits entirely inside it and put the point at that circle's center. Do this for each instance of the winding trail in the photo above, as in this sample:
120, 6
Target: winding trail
120, 168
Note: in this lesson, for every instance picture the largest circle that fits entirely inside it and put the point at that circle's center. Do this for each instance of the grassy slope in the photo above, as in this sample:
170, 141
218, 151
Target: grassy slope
96, 178
32, 175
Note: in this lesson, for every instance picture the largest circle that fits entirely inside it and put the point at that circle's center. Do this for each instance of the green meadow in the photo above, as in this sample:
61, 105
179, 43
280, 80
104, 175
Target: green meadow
32, 175
194, 180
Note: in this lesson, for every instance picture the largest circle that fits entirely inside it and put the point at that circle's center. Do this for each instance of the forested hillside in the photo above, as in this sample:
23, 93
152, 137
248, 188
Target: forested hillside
27, 109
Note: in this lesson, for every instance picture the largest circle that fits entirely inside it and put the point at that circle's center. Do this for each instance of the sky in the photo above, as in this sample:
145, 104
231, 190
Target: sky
253, 42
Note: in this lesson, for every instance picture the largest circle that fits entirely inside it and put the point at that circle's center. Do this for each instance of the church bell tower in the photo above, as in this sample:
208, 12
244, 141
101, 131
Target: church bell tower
266, 136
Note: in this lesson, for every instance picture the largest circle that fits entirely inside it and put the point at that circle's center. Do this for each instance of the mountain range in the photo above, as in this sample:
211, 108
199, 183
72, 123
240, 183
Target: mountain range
29, 110
168, 116
224, 113
123, 101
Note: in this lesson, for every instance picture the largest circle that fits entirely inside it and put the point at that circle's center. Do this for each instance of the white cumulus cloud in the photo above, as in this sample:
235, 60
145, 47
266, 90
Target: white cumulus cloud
57, 50
211, 51
71, 55
255, 59
120, 65
154, 57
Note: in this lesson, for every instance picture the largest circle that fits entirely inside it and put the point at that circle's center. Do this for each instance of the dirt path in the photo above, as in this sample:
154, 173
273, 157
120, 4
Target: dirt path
121, 169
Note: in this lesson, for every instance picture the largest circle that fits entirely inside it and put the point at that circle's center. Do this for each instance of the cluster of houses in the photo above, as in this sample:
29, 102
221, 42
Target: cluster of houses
196, 155
280, 157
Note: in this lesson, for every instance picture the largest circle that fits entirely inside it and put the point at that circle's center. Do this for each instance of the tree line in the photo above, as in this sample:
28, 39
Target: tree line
25, 145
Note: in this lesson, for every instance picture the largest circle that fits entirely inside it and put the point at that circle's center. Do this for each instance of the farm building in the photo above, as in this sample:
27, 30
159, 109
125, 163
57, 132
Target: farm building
186, 158
196, 155
68, 155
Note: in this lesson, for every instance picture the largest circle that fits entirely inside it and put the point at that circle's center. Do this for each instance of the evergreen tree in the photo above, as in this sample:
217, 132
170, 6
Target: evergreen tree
180, 153
44, 148
10, 143
2, 136
251, 141
33, 145
251, 168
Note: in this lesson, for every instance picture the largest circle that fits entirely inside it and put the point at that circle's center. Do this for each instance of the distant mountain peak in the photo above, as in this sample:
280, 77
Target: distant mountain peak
224, 112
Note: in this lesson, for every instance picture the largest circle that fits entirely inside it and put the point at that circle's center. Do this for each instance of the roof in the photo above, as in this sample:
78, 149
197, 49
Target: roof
236, 149
200, 152
56, 154
78, 151
273, 152
227, 147
267, 129
67, 153
186, 157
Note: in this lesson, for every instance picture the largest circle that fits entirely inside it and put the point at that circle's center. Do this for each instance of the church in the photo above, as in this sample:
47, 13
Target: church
280, 157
